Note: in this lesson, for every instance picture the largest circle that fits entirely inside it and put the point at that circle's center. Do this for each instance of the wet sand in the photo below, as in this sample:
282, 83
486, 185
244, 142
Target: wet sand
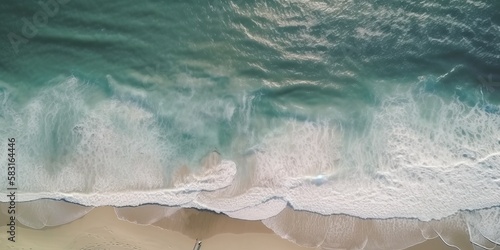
101, 229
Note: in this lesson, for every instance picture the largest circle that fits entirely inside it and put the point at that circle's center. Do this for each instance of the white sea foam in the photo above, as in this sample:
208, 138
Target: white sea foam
432, 171
421, 157
429, 162
74, 148
69, 145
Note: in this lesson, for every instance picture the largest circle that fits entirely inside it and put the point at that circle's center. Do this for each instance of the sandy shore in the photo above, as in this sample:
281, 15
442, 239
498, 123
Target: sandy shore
101, 229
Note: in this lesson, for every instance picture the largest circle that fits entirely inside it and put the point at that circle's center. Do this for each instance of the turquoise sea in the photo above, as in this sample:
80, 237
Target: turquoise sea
278, 110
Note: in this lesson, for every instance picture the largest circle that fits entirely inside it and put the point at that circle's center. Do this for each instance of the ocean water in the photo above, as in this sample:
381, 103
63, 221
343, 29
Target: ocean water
281, 111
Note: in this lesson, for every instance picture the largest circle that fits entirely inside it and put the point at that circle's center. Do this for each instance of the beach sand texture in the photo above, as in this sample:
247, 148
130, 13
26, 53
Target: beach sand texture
101, 229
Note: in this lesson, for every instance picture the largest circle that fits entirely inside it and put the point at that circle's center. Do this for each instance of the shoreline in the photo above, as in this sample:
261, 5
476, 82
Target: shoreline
55, 200
102, 229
